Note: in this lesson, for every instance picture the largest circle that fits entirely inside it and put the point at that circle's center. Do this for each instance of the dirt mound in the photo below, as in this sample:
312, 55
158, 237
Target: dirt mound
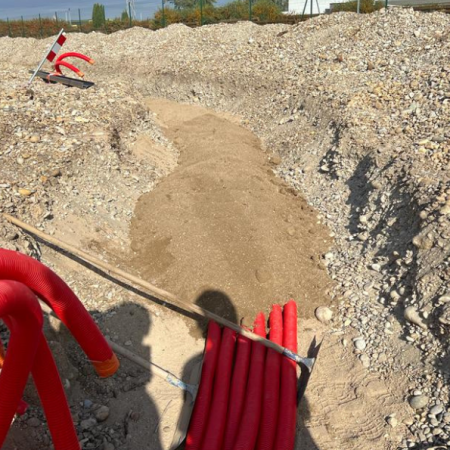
223, 221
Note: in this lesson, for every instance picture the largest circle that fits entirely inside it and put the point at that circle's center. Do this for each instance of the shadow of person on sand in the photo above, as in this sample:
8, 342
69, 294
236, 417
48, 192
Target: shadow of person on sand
219, 303
133, 418
129, 325
304, 440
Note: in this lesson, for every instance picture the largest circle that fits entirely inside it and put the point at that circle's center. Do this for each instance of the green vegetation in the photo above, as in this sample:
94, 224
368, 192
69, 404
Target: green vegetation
366, 6
125, 17
98, 15
190, 4
31, 28
262, 11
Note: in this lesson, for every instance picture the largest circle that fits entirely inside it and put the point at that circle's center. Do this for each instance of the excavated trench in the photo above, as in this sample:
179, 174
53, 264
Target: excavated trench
224, 231
223, 224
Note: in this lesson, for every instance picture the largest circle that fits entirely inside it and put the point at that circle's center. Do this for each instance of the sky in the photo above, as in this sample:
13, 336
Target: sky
14, 9
47, 8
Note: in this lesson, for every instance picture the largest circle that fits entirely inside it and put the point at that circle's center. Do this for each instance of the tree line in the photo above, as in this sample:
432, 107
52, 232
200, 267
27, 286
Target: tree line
99, 17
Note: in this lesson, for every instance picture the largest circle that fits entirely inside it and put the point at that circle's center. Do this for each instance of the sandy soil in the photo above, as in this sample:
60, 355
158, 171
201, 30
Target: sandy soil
224, 216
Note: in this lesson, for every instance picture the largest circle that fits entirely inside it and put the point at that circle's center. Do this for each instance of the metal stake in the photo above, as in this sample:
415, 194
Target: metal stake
304, 8
129, 13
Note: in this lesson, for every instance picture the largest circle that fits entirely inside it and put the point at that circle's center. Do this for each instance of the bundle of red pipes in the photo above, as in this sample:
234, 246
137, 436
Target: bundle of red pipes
22, 279
247, 399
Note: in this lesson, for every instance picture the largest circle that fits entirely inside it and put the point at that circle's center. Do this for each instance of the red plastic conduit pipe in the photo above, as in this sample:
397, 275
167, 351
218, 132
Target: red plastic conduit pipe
215, 429
248, 428
200, 414
287, 416
23, 406
53, 399
53, 291
271, 391
69, 66
237, 391
75, 55
22, 311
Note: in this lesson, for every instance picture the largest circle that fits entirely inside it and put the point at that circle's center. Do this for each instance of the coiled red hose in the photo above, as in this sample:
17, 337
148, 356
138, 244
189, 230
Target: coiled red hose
237, 391
69, 66
23, 406
55, 292
52, 396
22, 313
53, 399
248, 429
75, 55
215, 429
285, 439
271, 391
199, 417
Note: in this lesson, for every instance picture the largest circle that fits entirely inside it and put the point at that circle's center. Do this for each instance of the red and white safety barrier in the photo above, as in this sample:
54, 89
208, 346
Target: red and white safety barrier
56, 47
51, 53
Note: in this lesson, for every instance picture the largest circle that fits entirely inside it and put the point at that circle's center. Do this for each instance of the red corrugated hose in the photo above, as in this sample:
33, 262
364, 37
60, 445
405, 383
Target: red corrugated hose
54, 291
215, 429
53, 399
197, 427
75, 55
23, 406
22, 313
287, 415
249, 425
271, 390
237, 391
69, 66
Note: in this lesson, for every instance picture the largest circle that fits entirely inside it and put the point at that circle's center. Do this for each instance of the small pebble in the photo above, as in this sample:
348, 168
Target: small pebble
88, 423
102, 413
360, 344
392, 421
437, 409
33, 422
323, 314
418, 401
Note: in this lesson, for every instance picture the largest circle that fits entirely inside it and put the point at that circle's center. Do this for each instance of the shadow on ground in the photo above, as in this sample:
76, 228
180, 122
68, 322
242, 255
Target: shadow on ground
135, 422
221, 304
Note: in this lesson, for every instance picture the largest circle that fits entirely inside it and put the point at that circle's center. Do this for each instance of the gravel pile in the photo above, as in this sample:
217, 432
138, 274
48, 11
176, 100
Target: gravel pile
67, 153
355, 109
66, 157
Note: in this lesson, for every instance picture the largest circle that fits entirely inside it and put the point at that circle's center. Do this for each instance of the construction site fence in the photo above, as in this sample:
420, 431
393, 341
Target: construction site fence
156, 14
